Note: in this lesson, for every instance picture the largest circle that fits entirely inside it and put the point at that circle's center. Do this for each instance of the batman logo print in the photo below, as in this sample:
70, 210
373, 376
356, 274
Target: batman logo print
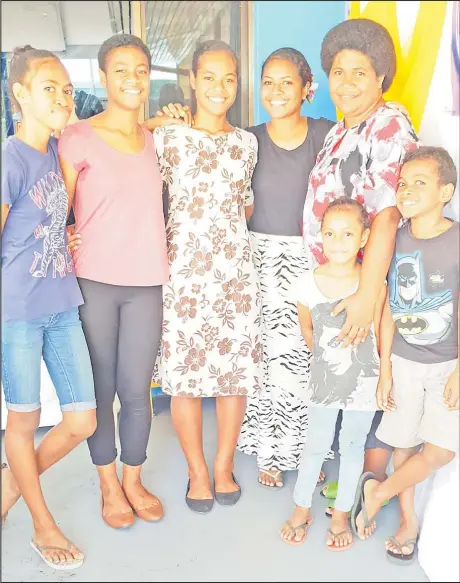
411, 325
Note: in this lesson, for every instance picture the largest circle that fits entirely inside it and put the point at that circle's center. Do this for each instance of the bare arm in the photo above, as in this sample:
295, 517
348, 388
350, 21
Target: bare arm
306, 325
5, 211
378, 253
249, 210
70, 176
378, 314
387, 330
384, 399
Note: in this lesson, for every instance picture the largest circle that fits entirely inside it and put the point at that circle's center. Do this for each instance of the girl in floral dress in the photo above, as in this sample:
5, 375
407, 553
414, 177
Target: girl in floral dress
212, 344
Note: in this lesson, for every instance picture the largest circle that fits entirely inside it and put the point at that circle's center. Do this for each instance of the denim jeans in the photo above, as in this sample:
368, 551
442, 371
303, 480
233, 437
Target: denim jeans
320, 435
59, 339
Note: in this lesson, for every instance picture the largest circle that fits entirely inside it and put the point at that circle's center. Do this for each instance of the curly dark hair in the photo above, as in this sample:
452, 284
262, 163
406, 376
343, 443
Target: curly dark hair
345, 202
446, 167
212, 46
366, 37
296, 58
118, 41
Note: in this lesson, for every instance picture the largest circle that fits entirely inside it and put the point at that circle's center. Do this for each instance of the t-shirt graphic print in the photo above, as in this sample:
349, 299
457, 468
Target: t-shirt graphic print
49, 194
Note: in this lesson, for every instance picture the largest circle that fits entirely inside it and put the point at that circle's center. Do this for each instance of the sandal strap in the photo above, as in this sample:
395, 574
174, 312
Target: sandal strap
407, 543
334, 534
273, 475
42, 548
303, 526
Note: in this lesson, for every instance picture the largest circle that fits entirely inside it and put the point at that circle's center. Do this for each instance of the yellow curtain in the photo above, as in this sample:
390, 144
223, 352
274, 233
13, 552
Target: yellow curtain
414, 70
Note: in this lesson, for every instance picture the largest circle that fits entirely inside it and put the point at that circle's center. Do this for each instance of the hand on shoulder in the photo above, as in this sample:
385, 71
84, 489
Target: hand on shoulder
172, 114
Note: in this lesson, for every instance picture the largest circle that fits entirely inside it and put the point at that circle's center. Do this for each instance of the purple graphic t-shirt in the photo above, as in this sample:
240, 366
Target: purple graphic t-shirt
37, 270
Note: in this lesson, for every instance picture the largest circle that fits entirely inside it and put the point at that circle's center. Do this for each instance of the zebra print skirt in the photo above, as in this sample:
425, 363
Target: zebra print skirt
275, 425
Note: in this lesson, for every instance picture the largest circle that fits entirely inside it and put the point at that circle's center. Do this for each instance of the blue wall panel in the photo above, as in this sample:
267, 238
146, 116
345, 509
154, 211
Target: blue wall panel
301, 25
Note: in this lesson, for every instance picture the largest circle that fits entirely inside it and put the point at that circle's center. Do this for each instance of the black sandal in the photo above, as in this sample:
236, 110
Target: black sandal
403, 558
359, 505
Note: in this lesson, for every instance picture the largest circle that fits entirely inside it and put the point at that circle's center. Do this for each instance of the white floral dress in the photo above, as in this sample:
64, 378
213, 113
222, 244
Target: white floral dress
212, 338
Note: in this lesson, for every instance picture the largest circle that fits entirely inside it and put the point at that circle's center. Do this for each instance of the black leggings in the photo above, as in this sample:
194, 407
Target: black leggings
122, 326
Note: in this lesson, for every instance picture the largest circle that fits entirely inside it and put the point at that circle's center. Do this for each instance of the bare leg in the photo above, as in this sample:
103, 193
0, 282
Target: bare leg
10, 491
22, 457
376, 461
75, 427
230, 413
56, 444
187, 418
408, 527
416, 469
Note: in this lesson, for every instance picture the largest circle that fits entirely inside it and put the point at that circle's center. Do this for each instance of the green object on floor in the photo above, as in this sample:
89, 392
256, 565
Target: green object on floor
330, 490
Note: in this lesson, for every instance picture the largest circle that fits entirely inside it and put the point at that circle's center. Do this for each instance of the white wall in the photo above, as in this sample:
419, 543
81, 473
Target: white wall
85, 23
439, 127
54, 25
35, 23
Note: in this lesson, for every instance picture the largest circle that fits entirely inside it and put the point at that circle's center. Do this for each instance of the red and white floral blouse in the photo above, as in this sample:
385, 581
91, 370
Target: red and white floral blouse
362, 162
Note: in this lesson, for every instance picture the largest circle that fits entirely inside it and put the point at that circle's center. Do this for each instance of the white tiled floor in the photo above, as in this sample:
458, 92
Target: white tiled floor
229, 544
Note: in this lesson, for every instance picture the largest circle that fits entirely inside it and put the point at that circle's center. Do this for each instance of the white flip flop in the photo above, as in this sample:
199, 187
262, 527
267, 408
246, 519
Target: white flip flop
67, 566
274, 476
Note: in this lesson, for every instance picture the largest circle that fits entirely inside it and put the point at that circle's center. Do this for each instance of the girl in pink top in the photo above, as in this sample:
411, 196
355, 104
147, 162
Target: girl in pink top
110, 170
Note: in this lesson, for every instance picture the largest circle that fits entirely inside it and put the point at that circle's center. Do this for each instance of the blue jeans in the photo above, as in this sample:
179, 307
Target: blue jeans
59, 339
352, 438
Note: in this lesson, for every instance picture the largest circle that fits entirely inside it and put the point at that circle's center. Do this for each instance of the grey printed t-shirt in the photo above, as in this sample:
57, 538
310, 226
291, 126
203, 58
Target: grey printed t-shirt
340, 378
280, 180
424, 288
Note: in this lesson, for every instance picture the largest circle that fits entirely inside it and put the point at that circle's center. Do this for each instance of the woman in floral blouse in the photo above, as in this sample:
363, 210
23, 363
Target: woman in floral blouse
212, 345
361, 158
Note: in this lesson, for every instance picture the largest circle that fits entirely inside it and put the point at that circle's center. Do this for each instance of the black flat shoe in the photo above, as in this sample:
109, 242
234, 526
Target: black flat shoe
200, 506
228, 498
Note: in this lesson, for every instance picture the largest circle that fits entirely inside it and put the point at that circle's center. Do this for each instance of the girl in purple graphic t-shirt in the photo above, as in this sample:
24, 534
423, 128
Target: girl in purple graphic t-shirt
40, 297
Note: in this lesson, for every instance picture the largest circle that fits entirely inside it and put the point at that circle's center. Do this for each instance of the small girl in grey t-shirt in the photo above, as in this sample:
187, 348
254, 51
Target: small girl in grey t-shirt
342, 378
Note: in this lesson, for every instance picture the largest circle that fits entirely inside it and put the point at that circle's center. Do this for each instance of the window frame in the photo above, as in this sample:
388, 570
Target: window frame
246, 49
